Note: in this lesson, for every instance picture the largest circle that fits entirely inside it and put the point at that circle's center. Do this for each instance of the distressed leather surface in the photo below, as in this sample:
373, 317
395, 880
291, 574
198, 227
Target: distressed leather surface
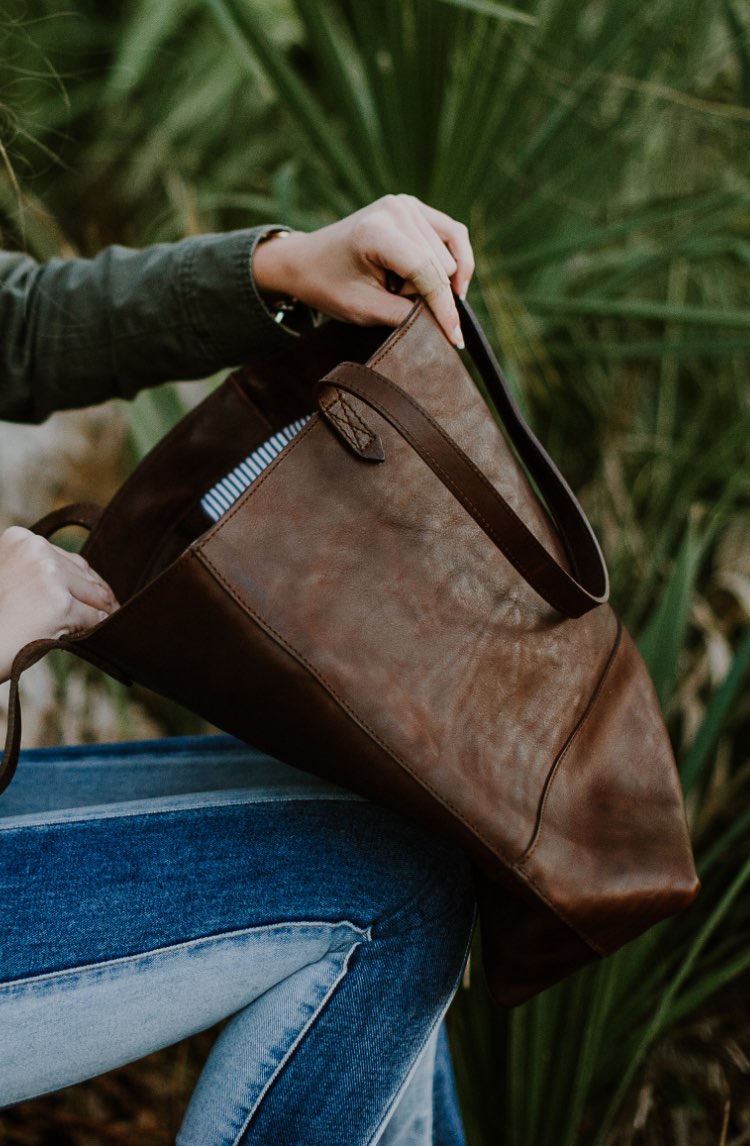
350, 616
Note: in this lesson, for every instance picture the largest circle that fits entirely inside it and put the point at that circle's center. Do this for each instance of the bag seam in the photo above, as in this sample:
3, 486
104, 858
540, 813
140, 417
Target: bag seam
198, 546
397, 336
332, 691
573, 737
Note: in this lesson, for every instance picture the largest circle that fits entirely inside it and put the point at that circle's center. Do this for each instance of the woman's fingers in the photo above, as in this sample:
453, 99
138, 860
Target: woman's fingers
431, 277
82, 567
417, 221
456, 236
385, 308
79, 617
45, 592
432, 283
91, 591
416, 264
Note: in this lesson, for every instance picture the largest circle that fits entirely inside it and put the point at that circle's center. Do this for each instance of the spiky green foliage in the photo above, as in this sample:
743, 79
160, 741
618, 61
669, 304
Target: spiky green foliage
598, 152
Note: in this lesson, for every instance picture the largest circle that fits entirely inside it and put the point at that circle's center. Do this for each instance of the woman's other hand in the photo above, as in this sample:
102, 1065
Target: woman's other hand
45, 592
342, 269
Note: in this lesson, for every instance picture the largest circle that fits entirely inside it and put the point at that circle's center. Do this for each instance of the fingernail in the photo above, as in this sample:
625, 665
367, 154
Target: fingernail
458, 338
462, 292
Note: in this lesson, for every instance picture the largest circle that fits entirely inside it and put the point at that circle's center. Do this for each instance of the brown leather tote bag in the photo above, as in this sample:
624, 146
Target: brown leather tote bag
392, 607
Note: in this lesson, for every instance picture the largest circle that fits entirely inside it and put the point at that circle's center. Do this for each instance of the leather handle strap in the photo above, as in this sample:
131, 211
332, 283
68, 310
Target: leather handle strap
576, 533
28, 656
83, 513
490, 510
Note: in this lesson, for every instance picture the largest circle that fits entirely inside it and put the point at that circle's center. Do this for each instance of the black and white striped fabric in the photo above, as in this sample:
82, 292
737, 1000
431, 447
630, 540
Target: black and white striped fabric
225, 493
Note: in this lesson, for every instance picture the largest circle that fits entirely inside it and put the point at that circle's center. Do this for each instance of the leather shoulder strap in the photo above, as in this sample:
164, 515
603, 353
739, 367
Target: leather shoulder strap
583, 548
570, 595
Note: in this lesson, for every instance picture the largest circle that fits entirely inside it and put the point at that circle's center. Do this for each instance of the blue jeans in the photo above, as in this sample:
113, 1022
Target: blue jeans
149, 890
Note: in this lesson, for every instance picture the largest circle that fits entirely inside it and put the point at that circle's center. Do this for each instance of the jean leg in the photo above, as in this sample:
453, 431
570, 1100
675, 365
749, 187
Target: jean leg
411, 1122
345, 1075
449, 1130
335, 929
428, 1108
69, 1025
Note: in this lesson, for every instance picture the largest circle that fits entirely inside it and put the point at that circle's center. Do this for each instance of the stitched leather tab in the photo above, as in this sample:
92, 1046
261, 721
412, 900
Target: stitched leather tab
339, 411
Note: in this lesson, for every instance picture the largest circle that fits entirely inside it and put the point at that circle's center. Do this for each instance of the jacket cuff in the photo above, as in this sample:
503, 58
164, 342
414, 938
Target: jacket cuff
221, 299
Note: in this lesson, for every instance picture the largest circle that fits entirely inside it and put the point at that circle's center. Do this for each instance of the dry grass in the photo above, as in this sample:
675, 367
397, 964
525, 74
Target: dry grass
696, 1090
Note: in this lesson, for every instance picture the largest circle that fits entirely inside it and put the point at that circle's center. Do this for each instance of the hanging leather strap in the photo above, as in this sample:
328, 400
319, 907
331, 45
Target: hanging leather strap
570, 595
28, 656
577, 535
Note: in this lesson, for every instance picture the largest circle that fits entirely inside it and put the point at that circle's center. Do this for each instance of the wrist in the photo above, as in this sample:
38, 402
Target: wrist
276, 262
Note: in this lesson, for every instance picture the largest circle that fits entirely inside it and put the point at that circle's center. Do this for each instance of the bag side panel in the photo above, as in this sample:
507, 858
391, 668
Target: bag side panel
613, 851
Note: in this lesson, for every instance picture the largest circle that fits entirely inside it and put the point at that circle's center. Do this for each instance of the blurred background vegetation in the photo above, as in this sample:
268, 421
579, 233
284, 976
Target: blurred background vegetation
598, 150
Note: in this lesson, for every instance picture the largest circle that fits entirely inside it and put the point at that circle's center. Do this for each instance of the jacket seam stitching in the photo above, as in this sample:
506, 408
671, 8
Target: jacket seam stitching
200, 327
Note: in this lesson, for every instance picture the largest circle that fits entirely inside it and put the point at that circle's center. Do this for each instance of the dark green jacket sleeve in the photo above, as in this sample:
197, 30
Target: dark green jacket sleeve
76, 331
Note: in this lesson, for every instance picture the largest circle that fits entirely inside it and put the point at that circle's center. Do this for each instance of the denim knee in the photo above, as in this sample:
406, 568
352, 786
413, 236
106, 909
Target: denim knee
441, 909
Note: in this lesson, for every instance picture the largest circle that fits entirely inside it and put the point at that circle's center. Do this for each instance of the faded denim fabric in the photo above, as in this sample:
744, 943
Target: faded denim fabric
148, 890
